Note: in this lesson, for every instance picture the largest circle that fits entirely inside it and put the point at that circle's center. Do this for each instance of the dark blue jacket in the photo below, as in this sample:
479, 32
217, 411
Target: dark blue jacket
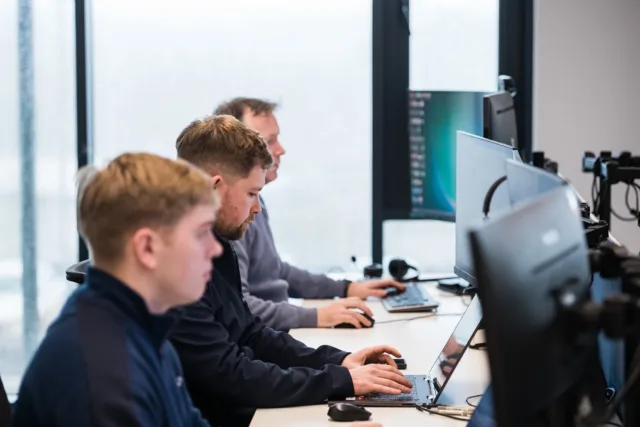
233, 363
105, 361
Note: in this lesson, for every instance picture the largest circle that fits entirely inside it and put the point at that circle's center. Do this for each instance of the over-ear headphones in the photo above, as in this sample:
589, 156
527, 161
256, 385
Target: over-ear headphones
398, 268
486, 205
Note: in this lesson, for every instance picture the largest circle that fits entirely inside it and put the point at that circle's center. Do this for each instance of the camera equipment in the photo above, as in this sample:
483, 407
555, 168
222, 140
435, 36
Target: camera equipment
607, 171
618, 317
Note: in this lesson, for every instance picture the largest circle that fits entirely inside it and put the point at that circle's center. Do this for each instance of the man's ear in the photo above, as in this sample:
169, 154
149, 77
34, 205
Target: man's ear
217, 180
144, 243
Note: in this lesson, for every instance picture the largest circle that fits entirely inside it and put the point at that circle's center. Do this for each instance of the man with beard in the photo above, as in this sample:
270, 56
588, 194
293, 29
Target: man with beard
267, 281
233, 363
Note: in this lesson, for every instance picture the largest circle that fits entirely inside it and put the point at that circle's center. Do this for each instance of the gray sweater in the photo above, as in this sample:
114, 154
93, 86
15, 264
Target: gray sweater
267, 282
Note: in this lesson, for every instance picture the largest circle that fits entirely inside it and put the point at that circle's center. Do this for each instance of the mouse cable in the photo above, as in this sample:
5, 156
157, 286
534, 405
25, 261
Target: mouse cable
475, 396
418, 317
423, 408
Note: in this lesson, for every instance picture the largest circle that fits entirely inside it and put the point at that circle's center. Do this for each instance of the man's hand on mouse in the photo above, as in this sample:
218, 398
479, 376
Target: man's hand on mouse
373, 288
379, 379
341, 312
378, 354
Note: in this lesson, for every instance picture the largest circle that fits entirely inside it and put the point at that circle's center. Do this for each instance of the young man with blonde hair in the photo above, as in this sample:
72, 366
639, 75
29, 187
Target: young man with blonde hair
267, 281
105, 360
233, 362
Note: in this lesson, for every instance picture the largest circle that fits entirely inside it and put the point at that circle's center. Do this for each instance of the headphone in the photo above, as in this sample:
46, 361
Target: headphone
398, 268
486, 205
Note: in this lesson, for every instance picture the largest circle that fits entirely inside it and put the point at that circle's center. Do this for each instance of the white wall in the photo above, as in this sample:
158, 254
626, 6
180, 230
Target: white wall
587, 89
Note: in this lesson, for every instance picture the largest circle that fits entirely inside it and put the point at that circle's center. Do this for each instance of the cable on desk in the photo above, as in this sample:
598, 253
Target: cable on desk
423, 408
478, 346
408, 319
475, 396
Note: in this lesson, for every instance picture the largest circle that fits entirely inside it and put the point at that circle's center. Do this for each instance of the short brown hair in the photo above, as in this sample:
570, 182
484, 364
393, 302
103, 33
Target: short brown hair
133, 191
223, 144
238, 106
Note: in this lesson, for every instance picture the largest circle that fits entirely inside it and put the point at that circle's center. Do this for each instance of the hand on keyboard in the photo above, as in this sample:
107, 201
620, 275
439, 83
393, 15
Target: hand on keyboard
373, 288
379, 379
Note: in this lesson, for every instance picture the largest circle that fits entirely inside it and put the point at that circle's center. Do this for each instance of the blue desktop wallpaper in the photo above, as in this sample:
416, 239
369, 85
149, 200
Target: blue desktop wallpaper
445, 113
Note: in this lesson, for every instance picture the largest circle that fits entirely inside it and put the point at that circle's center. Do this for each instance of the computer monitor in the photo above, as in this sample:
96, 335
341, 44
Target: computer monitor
540, 367
434, 119
499, 118
479, 163
526, 182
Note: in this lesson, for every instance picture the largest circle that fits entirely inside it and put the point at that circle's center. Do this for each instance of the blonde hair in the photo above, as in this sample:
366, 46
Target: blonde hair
133, 191
223, 144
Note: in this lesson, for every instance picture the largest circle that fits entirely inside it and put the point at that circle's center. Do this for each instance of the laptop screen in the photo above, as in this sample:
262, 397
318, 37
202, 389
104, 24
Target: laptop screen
454, 348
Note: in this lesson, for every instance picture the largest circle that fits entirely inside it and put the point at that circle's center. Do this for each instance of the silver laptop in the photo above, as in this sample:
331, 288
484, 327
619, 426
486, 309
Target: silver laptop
427, 389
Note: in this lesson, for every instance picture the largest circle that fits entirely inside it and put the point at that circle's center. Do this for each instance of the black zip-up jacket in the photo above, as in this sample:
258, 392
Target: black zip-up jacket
233, 363
105, 361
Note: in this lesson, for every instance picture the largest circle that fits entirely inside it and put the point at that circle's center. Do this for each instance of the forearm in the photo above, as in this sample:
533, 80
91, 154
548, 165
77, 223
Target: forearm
258, 384
282, 316
285, 351
303, 284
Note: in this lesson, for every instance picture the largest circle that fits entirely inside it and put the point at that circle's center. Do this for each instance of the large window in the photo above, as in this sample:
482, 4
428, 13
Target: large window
159, 64
37, 167
453, 47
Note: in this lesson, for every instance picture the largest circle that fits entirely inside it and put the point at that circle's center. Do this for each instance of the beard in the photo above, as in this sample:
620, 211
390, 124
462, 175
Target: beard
231, 232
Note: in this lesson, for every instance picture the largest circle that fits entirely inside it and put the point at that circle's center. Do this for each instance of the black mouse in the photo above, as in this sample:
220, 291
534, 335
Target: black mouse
348, 412
349, 325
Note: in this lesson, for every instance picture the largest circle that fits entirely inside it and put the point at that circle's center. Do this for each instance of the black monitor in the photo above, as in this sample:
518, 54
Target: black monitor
434, 119
499, 118
540, 370
479, 163
526, 182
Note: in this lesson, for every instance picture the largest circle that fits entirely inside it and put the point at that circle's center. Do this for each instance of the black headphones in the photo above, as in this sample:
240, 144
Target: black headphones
398, 268
486, 205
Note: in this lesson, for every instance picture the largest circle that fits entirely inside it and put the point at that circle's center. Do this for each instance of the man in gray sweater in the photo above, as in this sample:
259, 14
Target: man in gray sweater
267, 281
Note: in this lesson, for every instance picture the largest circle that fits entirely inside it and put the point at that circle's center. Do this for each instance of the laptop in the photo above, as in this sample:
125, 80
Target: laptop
427, 389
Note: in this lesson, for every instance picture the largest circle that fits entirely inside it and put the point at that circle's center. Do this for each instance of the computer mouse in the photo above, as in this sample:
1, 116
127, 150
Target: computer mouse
344, 411
350, 326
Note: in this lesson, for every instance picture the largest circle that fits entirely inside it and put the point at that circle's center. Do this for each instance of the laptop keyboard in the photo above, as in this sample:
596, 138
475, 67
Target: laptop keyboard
397, 397
410, 297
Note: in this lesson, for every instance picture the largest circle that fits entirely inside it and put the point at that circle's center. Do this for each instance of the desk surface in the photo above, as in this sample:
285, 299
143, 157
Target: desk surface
420, 340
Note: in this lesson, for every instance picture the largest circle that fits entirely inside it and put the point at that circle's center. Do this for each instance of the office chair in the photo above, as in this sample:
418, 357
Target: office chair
77, 272
5, 407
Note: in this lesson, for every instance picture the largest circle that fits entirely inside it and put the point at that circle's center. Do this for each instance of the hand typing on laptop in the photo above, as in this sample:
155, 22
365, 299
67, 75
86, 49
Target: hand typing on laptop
374, 371
379, 379
377, 354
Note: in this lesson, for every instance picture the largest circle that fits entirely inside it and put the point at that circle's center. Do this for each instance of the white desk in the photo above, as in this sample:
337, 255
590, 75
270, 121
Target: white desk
420, 342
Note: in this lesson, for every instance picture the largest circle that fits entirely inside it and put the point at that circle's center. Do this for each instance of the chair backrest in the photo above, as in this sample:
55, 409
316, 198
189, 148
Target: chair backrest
5, 407
77, 272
